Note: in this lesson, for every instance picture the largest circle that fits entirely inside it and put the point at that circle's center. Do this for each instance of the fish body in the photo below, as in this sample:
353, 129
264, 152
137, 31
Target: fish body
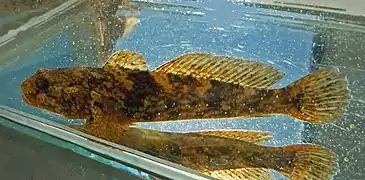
125, 90
195, 86
232, 154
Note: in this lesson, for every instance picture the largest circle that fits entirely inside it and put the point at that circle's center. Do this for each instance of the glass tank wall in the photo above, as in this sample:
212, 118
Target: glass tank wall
79, 33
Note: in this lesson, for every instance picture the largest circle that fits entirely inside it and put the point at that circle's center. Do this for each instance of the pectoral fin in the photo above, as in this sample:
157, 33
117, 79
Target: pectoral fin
104, 110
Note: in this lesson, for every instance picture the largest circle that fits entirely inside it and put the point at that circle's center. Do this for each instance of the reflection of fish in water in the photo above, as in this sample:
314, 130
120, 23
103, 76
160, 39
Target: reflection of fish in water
110, 25
109, 30
192, 86
129, 24
126, 4
16, 6
225, 154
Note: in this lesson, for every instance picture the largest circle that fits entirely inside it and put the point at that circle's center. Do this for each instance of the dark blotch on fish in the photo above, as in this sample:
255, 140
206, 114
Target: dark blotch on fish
296, 100
213, 96
144, 87
254, 106
173, 109
174, 149
173, 78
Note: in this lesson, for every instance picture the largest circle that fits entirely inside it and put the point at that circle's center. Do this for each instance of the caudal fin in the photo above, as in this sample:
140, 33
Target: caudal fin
309, 162
320, 96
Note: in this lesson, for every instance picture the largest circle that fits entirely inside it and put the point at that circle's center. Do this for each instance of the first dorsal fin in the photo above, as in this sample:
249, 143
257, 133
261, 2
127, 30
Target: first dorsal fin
250, 136
241, 173
223, 68
125, 59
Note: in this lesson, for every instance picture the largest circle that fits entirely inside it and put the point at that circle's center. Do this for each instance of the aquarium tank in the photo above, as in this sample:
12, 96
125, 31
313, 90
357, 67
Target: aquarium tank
241, 133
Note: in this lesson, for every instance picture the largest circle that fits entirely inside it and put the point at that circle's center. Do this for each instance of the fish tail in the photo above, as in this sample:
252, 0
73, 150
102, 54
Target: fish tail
310, 162
319, 97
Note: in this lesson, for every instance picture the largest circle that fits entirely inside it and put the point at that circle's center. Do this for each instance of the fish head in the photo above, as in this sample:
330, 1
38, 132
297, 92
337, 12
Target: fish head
57, 91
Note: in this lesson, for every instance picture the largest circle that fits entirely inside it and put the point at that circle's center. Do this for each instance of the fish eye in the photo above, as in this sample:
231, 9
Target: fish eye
42, 84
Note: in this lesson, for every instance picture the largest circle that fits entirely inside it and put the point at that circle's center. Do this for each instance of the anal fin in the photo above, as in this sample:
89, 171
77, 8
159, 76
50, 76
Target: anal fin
104, 110
250, 136
224, 69
241, 173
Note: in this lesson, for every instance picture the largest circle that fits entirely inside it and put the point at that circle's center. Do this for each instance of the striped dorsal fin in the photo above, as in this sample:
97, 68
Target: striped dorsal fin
224, 69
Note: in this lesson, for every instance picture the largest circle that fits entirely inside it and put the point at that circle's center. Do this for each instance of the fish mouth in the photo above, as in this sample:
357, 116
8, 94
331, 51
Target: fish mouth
25, 99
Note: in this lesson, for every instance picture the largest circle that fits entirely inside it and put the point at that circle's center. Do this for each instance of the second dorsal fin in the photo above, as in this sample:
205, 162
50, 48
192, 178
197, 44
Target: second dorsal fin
125, 59
223, 68
250, 136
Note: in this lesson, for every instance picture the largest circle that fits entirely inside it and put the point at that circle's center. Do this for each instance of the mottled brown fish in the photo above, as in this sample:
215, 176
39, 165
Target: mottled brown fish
224, 154
195, 86
192, 86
